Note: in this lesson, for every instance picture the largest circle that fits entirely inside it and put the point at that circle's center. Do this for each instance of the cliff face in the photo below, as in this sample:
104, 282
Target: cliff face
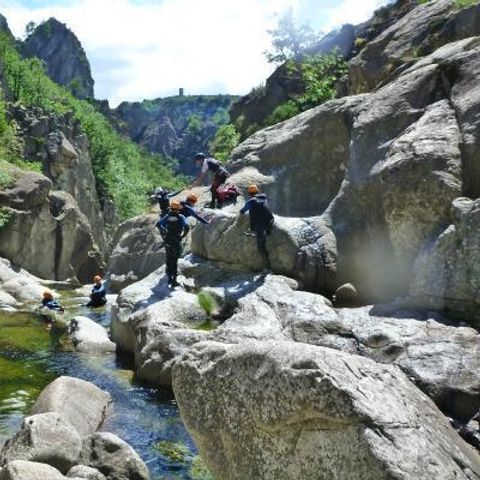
176, 127
64, 57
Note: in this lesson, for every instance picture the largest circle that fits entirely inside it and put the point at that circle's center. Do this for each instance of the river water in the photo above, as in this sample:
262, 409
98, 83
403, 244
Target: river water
31, 356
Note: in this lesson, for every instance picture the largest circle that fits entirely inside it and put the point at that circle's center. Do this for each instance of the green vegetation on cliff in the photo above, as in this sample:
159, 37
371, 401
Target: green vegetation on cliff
124, 173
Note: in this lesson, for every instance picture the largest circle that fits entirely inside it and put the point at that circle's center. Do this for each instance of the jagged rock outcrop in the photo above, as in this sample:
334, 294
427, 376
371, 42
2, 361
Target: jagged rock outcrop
59, 143
64, 57
420, 32
276, 410
45, 232
251, 111
176, 127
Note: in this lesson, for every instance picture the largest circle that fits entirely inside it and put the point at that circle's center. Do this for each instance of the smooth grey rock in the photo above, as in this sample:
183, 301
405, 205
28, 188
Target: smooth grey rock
81, 471
81, 403
24, 470
446, 273
280, 410
113, 457
88, 336
45, 438
136, 251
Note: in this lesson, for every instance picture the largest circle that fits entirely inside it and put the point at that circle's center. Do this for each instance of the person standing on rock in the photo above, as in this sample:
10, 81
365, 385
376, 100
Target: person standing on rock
188, 209
98, 297
173, 227
220, 175
163, 197
261, 220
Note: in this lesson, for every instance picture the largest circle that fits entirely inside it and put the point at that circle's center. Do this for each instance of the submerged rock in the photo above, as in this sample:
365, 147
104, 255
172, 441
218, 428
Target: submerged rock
276, 410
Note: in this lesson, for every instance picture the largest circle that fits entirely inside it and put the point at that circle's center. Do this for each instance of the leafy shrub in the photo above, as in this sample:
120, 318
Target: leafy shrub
206, 302
5, 216
283, 112
124, 172
360, 42
226, 139
465, 3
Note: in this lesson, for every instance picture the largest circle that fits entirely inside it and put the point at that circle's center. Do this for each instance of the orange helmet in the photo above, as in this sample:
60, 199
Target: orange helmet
175, 205
252, 189
192, 198
97, 278
47, 295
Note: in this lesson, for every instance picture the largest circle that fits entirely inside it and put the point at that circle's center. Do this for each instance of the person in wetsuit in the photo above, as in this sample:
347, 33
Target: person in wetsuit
173, 228
261, 220
98, 295
215, 167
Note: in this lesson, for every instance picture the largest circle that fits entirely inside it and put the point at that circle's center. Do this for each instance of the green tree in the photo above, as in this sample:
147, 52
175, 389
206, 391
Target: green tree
30, 28
226, 139
289, 39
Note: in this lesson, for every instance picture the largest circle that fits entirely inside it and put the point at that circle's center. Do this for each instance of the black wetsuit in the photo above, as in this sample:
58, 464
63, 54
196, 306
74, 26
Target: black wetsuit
261, 222
173, 227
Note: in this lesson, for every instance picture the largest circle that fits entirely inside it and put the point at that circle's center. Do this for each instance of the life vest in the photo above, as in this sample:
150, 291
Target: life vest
174, 228
260, 214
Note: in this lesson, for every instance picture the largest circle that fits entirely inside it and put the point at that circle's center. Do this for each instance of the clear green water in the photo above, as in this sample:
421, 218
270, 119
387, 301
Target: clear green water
31, 356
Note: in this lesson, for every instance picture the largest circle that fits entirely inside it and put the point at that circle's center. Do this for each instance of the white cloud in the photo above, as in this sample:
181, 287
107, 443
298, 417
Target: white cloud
352, 11
150, 49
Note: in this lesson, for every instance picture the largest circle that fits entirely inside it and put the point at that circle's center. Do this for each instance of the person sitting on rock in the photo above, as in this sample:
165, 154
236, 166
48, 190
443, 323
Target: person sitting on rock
188, 208
163, 197
173, 227
261, 220
98, 296
220, 175
50, 303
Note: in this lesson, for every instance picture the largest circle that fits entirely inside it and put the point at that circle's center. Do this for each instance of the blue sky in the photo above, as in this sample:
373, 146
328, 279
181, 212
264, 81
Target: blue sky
149, 48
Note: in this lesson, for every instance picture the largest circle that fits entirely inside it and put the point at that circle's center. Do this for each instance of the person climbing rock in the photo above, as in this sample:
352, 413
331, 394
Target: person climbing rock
99, 292
188, 208
50, 303
174, 227
220, 175
261, 220
163, 197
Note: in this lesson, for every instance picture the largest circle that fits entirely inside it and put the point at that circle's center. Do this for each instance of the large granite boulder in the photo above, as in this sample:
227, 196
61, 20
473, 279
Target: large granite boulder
45, 438
446, 274
79, 402
46, 233
383, 190
113, 457
88, 336
88, 473
276, 410
137, 251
